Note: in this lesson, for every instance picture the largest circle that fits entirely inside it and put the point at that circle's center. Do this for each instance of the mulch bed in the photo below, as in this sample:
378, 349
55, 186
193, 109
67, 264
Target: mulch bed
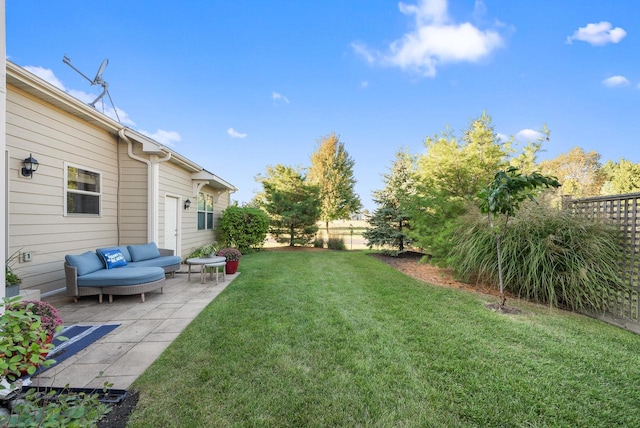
120, 412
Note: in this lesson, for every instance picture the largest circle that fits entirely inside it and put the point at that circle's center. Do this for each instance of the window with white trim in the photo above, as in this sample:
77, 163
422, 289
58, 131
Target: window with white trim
205, 211
83, 191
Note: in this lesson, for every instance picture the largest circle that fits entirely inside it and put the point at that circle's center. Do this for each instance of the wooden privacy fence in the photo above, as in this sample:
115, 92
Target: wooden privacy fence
623, 210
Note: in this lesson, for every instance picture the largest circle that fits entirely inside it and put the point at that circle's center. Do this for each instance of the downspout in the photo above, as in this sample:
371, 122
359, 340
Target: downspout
153, 178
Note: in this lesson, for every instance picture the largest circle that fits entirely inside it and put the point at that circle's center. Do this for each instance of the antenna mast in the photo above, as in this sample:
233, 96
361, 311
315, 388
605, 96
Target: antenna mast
98, 80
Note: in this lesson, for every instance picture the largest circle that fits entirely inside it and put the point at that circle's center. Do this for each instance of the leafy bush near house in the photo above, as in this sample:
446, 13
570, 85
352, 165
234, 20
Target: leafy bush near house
23, 340
49, 316
548, 256
318, 243
243, 227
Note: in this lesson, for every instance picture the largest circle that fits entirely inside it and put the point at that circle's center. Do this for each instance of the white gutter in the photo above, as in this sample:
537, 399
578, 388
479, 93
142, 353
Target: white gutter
153, 184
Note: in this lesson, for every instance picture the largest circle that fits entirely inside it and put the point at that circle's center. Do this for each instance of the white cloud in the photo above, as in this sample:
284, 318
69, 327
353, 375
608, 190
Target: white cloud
364, 84
235, 134
104, 106
45, 74
278, 97
598, 34
615, 81
435, 40
528, 135
479, 10
167, 138
364, 52
502, 137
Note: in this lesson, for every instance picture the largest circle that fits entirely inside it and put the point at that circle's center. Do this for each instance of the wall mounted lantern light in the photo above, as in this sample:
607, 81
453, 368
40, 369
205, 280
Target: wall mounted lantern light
29, 166
187, 204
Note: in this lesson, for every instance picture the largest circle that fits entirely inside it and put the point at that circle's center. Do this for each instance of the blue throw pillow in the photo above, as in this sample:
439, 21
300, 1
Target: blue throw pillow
85, 263
113, 258
122, 248
143, 252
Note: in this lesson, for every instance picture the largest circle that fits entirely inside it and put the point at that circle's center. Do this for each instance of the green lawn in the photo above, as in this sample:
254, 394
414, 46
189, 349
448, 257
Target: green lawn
340, 339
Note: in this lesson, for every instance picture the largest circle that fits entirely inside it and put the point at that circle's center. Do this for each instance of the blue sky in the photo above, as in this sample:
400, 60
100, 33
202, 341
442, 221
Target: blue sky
237, 86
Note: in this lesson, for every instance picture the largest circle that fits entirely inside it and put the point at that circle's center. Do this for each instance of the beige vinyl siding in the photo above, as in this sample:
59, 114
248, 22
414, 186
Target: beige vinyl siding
133, 199
37, 223
174, 181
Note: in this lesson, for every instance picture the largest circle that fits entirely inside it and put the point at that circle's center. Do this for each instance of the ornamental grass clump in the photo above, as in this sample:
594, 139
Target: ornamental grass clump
548, 256
336, 243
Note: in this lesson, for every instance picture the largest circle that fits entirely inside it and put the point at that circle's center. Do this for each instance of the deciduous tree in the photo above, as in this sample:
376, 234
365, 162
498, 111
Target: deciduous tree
501, 199
332, 171
450, 175
621, 177
580, 172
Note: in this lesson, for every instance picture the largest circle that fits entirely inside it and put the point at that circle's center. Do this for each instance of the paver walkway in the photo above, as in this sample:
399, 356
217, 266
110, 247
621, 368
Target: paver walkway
146, 330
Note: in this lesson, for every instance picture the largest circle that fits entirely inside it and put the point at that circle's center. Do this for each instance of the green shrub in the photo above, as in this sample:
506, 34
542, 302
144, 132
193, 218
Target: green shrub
548, 256
318, 243
23, 340
243, 228
336, 243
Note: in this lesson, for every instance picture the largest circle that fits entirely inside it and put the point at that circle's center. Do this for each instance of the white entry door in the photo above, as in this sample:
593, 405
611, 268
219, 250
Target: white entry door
171, 224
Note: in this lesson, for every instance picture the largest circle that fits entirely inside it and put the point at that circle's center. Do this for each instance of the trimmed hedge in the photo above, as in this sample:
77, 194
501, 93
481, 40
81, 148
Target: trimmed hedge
243, 228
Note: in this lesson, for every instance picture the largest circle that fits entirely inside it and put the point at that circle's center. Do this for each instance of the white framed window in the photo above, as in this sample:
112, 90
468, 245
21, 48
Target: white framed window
83, 191
205, 211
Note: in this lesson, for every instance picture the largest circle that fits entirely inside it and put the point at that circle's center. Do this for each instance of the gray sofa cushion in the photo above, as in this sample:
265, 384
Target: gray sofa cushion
121, 276
86, 263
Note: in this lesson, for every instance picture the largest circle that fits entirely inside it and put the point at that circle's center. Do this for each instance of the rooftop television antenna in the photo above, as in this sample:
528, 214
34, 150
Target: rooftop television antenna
98, 80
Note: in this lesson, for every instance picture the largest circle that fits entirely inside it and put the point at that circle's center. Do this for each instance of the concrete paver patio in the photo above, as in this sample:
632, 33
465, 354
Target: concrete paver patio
146, 329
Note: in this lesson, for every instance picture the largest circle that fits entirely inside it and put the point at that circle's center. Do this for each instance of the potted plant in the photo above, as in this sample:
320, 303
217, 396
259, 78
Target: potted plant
23, 340
233, 259
207, 250
12, 281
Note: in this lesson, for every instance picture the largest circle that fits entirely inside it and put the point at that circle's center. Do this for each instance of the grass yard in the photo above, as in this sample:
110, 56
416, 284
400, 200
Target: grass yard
322, 338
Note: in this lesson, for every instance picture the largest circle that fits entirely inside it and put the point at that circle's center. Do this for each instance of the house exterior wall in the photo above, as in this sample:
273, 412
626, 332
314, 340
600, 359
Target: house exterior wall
37, 222
137, 175
175, 181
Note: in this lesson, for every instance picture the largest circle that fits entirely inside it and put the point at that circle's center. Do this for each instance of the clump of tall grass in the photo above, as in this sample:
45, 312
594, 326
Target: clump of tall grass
318, 243
548, 256
336, 243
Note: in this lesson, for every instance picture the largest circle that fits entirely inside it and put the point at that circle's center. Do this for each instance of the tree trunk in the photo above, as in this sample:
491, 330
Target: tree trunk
326, 225
502, 298
401, 239
291, 232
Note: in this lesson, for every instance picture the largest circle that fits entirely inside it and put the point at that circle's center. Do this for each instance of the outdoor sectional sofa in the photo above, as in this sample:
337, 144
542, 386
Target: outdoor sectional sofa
123, 270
